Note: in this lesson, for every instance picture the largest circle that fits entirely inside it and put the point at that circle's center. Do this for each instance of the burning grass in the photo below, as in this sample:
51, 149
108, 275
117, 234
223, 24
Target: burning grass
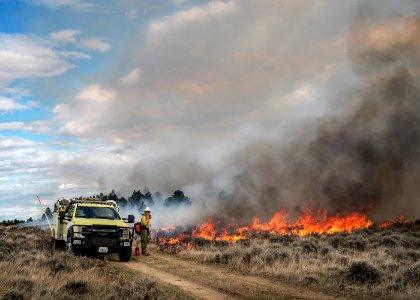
29, 269
309, 222
378, 261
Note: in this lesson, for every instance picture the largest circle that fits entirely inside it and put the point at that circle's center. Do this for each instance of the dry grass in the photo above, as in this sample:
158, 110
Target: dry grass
29, 269
374, 262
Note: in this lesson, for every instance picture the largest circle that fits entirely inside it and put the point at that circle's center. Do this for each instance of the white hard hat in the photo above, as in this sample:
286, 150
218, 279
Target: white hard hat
147, 209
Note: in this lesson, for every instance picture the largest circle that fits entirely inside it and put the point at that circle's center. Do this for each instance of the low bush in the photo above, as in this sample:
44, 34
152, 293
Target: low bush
362, 273
13, 295
411, 276
77, 287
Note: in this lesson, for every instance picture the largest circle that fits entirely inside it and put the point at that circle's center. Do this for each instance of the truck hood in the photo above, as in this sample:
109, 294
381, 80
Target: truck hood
95, 221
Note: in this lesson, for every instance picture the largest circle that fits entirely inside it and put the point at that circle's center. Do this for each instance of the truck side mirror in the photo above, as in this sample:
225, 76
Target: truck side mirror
130, 219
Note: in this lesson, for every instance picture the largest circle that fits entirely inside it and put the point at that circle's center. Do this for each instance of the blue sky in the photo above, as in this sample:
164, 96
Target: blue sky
102, 95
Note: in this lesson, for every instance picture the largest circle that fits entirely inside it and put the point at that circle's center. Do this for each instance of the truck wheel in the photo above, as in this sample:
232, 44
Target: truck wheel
70, 247
125, 254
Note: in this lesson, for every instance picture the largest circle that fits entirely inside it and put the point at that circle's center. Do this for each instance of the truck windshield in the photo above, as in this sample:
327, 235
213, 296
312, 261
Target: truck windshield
97, 212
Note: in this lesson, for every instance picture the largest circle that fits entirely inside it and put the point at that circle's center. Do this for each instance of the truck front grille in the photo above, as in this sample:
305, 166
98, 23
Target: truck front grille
102, 232
104, 242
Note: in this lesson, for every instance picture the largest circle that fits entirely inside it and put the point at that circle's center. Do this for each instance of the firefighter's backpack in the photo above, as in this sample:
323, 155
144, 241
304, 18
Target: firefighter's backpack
137, 228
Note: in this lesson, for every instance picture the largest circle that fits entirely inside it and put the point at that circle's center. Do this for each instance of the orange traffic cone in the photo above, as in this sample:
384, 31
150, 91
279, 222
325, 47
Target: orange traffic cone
137, 251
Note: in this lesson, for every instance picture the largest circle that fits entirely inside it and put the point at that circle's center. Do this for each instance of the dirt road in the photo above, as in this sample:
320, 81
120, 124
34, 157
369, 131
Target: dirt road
215, 282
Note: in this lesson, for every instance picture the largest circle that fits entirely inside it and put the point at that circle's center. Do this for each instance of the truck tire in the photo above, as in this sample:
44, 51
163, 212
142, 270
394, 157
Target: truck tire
70, 247
125, 254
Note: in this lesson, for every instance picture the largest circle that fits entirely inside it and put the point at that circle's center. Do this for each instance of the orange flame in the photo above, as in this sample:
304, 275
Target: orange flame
309, 222
399, 219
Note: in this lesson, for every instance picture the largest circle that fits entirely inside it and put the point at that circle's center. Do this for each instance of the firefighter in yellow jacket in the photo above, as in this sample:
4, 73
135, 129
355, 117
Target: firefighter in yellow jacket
145, 230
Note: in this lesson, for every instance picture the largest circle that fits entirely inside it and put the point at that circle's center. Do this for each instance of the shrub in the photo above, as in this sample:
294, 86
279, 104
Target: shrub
201, 242
13, 295
137, 289
244, 242
272, 256
324, 251
226, 257
362, 273
308, 247
411, 276
359, 245
337, 241
406, 255
76, 287
246, 258
23, 285
221, 243
285, 240
309, 280
388, 242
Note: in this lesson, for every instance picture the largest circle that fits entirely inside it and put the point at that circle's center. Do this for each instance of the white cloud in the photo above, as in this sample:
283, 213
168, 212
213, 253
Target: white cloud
195, 14
65, 36
131, 15
26, 56
96, 93
74, 55
15, 142
76, 5
37, 126
201, 80
67, 186
76, 128
7, 104
131, 77
97, 44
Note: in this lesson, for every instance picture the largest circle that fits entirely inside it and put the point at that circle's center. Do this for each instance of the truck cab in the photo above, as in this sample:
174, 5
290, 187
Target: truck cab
91, 226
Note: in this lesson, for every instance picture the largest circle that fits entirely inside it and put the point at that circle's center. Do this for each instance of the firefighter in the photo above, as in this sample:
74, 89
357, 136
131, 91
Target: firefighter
62, 213
145, 230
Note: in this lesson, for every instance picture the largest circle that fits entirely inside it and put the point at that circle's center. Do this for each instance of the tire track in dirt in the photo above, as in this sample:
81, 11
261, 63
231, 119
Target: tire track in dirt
216, 282
197, 290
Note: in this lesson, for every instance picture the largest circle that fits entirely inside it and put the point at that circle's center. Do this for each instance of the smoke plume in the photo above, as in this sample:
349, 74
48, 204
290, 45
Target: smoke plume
364, 154
369, 153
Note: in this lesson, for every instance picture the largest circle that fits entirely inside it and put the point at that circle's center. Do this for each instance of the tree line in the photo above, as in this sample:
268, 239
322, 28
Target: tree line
138, 199
15, 222
142, 199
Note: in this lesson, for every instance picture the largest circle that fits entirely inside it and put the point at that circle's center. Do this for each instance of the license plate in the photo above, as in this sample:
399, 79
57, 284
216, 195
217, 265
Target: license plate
77, 242
103, 250
126, 244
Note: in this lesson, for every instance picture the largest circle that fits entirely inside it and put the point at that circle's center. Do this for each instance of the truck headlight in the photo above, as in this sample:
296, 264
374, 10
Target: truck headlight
78, 235
126, 234
77, 228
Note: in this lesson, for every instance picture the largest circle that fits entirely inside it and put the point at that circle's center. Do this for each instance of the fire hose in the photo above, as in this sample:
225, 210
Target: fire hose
45, 213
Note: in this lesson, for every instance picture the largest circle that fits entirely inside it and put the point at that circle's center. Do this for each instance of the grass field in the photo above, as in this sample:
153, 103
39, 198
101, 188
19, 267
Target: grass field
374, 262
382, 263
29, 269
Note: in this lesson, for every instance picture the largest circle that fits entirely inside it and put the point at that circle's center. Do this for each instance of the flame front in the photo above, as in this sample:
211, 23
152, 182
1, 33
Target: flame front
309, 222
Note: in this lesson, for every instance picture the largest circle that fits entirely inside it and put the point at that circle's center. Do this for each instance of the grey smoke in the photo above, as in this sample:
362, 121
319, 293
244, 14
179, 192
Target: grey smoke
367, 154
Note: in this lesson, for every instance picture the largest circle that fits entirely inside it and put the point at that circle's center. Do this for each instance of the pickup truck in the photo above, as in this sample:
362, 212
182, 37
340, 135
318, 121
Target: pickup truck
91, 226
